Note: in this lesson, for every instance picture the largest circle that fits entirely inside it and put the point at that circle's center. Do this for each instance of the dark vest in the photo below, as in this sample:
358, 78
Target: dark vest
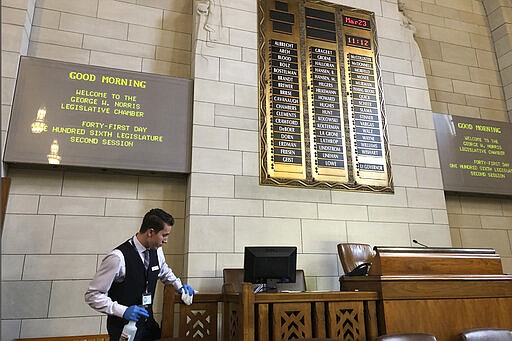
129, 292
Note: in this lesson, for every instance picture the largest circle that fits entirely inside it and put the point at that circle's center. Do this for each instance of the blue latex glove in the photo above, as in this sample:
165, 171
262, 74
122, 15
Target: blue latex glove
187, 289
134, 312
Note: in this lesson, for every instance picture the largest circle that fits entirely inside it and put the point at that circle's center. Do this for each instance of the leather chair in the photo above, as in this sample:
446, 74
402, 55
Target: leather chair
486, 334
353, 255
235, 277
407, 337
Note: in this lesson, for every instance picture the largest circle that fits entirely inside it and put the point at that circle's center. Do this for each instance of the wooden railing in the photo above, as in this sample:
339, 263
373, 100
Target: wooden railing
95, 337
299, 315
261, 317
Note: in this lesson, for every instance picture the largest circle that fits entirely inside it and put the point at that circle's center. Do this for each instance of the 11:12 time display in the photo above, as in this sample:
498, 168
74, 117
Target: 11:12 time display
358, 42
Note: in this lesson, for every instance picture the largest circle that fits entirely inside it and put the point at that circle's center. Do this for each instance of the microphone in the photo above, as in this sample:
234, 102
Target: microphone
417, 242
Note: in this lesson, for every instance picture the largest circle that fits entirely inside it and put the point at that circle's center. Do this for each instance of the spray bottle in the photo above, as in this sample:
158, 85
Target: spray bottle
129, 331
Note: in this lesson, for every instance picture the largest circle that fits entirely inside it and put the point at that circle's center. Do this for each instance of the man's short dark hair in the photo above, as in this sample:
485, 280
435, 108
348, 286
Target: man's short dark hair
156, 219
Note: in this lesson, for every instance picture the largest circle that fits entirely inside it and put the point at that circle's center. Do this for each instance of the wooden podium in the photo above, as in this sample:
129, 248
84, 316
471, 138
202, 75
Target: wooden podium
442, 291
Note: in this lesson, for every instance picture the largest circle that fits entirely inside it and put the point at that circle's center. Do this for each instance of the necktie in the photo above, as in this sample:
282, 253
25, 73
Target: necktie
146, 258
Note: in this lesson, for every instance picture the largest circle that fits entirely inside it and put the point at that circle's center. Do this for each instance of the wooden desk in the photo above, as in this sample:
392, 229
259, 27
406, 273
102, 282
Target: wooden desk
299, 315
437, 291
318, 316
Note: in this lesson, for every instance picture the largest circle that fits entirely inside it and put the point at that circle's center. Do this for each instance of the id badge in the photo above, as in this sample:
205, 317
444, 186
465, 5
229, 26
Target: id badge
146, 299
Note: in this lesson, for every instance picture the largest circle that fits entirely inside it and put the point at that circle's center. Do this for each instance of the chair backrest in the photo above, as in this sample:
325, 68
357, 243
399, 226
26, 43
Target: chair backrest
486, 334
407, 337
354, 254
235, 277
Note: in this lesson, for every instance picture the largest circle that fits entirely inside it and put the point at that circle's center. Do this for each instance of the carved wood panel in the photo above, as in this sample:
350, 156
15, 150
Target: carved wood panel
200, 321
292, 321
346, 321
233, 328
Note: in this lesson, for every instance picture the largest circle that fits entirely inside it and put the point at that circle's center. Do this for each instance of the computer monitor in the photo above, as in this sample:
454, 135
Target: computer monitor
270, 265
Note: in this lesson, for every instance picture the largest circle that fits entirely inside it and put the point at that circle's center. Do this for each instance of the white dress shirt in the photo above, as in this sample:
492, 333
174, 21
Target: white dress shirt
113, 269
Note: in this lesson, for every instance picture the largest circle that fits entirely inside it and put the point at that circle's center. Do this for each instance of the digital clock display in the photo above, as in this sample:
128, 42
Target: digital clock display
361, 42
356, 22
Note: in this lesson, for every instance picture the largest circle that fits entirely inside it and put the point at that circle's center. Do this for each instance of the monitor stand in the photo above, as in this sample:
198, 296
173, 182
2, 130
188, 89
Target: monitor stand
271, 285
